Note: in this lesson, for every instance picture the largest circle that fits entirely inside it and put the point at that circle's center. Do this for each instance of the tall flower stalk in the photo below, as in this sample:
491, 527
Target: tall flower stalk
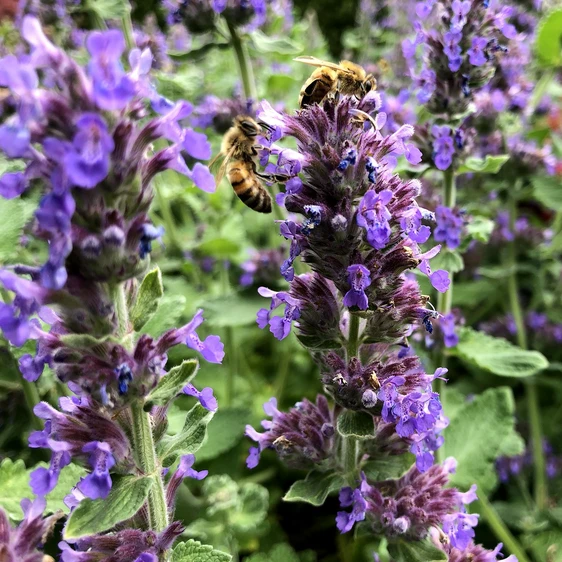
85, 137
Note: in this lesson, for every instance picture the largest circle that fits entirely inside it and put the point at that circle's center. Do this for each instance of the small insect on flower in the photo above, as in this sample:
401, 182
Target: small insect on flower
239, 150
346, 78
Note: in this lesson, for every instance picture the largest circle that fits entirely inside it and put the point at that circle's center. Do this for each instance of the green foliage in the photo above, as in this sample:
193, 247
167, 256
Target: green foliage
449, 260
359, 425
279, 553
150, 292
95, 516
193, 551
232, 310
14, 486
14, 214
548, 190
497, 356
173, 382
167, 316
265, 44
189, 439
480, 229
420, 551
385, 467
490, 165
548, 43
107, 9
481, 431
315, 488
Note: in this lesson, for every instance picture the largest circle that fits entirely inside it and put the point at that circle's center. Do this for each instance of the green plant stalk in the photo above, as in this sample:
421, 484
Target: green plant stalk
143, 441
231, 356
353, 338
539, 461
32, 398
165, 209
244, 64
127, 26
486, 509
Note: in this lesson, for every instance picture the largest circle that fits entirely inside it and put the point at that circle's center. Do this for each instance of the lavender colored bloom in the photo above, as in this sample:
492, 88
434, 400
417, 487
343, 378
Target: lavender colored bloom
98, 483
43, 480
359, 279
443, 146
450, 336
205, 396
87, 160
449, 227
12, 184
354, 499
373, 216
279, 326
477, 52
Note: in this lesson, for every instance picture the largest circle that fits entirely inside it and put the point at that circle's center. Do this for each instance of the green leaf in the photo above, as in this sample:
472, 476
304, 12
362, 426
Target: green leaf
480, 229
193, 551
171, 384
189, 439
223, 432
315, 488
546, 545
548, 190
490, 165
12, 221
232, 310
449, 260
167, 316
14, 486
108, 9
199, 53
356, 424
220, 248
476, 436
126, 497
549, 39
419, 551
252, 508
386, 467
280, 45
281, 552
497, 356
150, 292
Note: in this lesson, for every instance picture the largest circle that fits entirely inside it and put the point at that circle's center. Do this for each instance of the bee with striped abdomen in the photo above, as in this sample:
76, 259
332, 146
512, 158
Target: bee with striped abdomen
346, 78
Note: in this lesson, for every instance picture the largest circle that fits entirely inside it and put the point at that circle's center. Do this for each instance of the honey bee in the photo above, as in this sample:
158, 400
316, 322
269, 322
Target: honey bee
239, 150
374, 381
346, 78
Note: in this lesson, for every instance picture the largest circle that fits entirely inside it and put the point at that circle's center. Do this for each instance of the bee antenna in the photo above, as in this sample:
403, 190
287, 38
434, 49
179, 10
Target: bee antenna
265, 126
359, 112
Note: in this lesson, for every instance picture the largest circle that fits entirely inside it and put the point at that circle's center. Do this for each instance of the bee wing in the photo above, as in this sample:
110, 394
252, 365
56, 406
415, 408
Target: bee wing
221, 169
313, 61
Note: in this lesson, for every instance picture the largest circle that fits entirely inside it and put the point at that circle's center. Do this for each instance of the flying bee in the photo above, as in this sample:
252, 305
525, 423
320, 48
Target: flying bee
239, 150
346, 78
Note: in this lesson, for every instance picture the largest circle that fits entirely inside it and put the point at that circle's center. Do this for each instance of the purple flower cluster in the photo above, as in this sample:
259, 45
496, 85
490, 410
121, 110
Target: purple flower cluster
262, 267
449, 227
508, 467
455, 50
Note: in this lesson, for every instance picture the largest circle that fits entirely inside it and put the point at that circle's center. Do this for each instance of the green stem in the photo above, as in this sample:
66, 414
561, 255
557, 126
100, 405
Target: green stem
230, 354
499, 528
117, 294
282, 375
244, 64
32, 398
165, 209
127, 27
353, 339
539, 461
349, 453
143, 444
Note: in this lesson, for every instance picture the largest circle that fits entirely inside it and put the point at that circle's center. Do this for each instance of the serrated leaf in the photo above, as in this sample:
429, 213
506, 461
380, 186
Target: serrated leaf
280, 45
14, 486
315, 488
359, 425
449, 260
167, 316
223, 432
189, 439
548, 190
480, 228
194, 551
252, 508
418, 551
126, 497
108, 9
386, 467
12, 221
476, 437
171, 384
490, 165
149, 294
549, 39
497, 355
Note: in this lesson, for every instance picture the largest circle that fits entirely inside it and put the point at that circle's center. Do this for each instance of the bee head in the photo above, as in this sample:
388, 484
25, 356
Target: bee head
370, 83
248, 126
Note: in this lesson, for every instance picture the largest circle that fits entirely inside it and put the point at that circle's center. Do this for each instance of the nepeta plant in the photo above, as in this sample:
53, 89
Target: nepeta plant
360, 234
86, 138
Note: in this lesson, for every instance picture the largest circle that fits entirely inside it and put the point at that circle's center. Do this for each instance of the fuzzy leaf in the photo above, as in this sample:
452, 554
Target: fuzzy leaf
497, 355
490, 165
193, 551
548, 190
107, 9
315, 488
253, 506
126, 497
546, 545
14, 486
281, 552
549, 39
449, 260
419, 551
279, 45
167, 316
480, 229
232, 310
489, 419
384, 468
150, 292
171, 384
189, 439
356, 424
12, 221
224, 431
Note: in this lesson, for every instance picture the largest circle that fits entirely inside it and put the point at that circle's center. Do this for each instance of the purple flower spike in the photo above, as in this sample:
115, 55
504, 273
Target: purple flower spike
43, 480
477, 52
373, 215
279, 326
354, 499
14, 140
98, 483
113, 89
205, 396
359, 279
